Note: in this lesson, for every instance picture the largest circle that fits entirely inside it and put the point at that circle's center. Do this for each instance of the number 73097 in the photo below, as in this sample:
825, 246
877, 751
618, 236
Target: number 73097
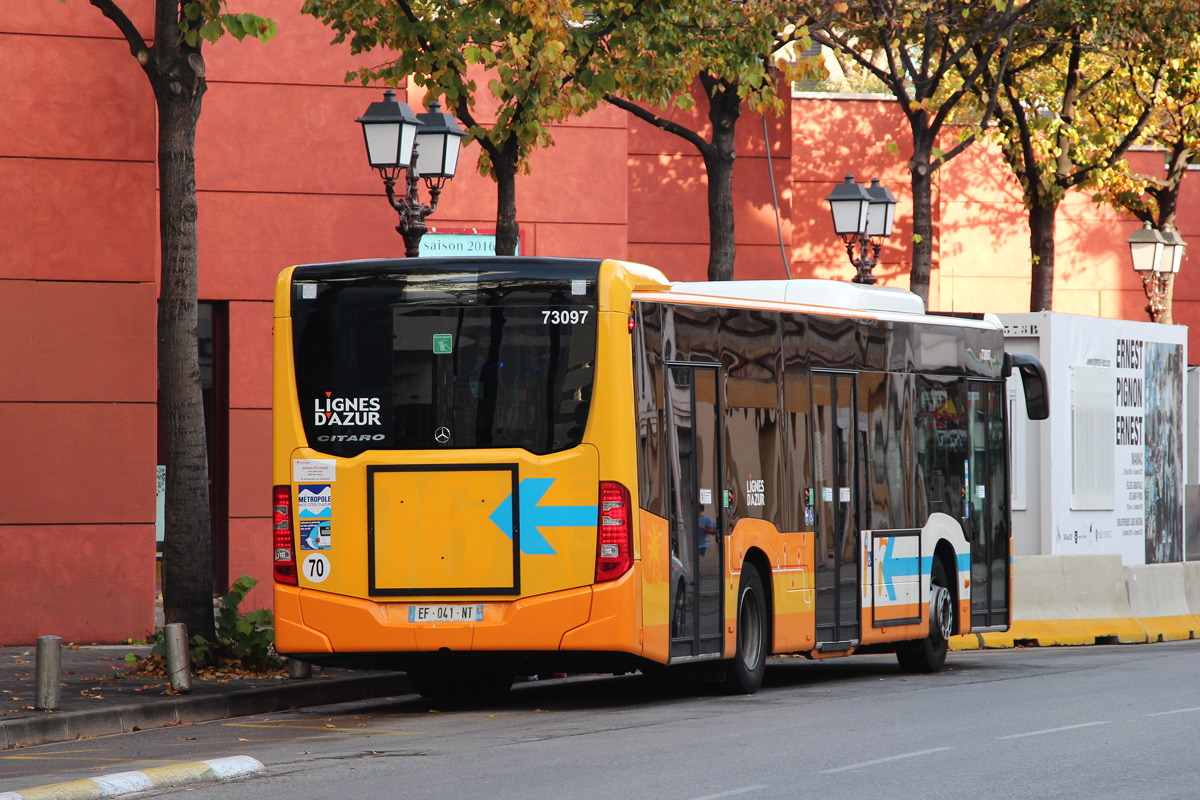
573, 317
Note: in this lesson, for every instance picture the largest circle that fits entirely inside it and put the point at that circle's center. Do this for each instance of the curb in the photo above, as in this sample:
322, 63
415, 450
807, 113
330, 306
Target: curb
1074, 632
69, 725
119, 783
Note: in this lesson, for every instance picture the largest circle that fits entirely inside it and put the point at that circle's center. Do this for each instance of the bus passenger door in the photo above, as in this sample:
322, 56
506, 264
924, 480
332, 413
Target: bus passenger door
695, 509
834, 474
987, 505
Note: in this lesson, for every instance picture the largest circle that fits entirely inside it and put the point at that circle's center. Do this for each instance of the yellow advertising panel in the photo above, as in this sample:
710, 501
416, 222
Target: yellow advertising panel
432, 532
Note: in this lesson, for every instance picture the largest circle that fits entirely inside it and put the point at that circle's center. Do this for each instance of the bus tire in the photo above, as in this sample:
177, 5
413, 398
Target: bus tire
745, 674
929, 654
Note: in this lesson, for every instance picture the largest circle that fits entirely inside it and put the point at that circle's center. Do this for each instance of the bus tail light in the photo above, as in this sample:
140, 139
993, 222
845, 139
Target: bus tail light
285, 555
614, 540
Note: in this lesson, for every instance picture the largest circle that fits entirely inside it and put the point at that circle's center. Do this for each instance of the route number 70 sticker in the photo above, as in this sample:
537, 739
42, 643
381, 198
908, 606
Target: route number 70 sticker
315, 567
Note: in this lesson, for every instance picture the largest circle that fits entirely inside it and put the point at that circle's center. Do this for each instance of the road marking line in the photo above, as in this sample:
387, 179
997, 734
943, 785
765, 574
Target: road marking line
1176, 711
732, 792
1054, 730
321, 728
885, 760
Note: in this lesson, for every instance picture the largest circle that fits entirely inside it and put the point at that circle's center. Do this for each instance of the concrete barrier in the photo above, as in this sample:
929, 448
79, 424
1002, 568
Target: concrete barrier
1065, 600
1158, 597
1191, 588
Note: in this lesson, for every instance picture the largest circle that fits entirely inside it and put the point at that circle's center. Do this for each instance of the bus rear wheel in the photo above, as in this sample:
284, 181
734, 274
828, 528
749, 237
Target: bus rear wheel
745, 674
929, 654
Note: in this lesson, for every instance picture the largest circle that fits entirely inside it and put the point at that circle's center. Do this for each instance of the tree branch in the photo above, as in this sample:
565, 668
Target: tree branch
137, 44
659, 122
463, 112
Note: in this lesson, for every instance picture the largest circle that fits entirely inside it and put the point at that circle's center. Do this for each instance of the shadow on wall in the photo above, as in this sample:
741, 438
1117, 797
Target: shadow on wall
833, 137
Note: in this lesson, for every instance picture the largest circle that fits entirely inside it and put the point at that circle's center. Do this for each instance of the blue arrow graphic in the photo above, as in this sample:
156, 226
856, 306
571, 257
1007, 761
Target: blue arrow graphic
532, 516
893, 567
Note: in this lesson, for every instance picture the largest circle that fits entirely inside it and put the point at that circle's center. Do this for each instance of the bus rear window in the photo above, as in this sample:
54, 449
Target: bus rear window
505, 364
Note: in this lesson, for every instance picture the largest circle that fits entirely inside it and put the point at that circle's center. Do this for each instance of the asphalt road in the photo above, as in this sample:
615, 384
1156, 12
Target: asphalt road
1091, 722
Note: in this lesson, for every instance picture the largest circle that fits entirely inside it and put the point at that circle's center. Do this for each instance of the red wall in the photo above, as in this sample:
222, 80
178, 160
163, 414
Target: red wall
282, 179
77, 316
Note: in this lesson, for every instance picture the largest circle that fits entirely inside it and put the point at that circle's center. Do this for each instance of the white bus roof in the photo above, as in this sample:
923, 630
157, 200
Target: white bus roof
832, 294
888, 300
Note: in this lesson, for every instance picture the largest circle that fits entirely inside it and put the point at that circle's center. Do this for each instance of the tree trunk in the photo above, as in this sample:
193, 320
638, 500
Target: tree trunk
922, 215
724, 108
1041, 248
508, 233
187, 543
1168, 205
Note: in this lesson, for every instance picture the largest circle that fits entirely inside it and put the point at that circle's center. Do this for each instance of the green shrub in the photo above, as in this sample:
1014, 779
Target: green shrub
244, 641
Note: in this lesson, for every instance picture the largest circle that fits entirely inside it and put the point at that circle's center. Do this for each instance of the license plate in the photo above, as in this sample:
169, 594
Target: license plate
445, 613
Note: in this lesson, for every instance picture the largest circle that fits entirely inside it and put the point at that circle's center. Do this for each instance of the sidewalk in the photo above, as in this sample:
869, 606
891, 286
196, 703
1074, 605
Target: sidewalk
100, 696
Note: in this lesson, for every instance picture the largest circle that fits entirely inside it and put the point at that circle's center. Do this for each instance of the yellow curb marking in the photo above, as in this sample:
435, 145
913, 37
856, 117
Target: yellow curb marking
144, 780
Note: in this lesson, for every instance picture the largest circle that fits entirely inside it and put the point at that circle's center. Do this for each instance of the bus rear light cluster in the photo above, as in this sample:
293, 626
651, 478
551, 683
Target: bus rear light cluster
285, 555
614, 540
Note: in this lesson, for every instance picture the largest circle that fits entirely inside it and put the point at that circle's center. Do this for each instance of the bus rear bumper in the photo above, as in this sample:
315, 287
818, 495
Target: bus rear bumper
591, 618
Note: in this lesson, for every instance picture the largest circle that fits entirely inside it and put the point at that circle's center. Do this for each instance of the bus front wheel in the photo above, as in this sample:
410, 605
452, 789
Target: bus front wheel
745, 674
929, 654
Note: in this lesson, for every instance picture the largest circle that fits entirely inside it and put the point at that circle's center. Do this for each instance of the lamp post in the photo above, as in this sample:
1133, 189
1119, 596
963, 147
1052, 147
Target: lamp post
1157, 256
862, 216
424, 146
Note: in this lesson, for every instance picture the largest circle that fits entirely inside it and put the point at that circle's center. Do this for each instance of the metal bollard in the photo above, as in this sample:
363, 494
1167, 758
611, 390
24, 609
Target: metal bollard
49, 673
179, 659
299, 670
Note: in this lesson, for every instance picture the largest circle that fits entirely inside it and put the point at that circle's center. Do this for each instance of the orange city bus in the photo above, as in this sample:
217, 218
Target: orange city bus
486, 467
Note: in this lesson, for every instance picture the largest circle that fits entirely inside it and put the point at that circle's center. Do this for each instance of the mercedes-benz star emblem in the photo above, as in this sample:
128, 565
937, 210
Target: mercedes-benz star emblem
442, 435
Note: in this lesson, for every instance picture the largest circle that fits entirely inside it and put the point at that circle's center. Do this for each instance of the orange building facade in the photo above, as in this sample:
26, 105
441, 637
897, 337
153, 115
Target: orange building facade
282, 179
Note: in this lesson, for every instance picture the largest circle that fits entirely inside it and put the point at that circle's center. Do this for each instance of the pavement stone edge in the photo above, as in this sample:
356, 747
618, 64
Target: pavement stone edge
66, 726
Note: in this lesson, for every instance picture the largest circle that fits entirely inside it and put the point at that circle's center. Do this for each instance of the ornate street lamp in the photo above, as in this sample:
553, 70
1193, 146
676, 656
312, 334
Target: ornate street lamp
422, 145
1157, 256
862, 216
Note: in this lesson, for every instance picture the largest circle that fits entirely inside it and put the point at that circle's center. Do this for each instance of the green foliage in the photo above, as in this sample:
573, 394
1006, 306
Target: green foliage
1083, 86
202, 19
931, 57
743, 46
1174, 127
528, 55
243, 640
208, 20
